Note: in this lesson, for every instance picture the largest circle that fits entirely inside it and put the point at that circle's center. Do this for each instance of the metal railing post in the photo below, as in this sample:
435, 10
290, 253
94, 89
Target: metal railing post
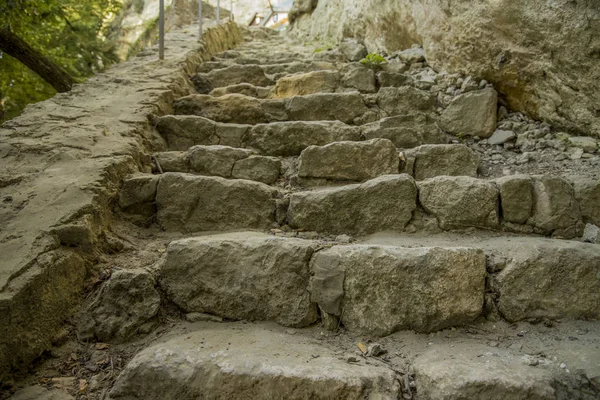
200, 19
218, 11
161, 30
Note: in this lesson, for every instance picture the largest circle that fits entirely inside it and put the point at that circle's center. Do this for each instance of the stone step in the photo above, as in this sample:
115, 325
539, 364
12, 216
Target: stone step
235, 108
246, 89
223, 161
218, 362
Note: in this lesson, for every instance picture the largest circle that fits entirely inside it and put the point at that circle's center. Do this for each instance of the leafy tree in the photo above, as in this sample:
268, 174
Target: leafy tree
70, 33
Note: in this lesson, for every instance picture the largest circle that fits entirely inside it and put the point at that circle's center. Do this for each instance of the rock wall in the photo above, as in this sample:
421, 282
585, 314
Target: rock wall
62, 163
542, 55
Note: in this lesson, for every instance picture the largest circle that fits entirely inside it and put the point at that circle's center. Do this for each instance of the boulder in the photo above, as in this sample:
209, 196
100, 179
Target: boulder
257, 168
124, 303
343, 107
444, 159
500, 137
477, 372
591, 234
587, 193
354, 161
241, 276
183, 131
549, 279
555, 208
406, 131
392, 79
385, 203
290, 138
359, 77
308, 83
236, 74
217, 362
460, 201
516, 198
587, 144
404, 100
382, 289
353, 50
216, 160
173, 161
191, 203
138, 194
231, 108
412, 55
471, 114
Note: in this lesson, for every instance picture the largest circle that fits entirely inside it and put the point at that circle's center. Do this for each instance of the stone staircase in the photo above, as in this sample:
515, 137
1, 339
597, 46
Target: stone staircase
307, 188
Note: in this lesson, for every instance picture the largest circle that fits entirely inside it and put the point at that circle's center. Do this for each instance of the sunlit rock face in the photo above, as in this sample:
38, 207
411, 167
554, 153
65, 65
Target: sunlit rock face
542, 55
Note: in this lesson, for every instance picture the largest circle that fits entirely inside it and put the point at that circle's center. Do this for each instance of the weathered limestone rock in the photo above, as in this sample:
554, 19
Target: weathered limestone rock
290, 138
550, 279
587, 193
383, 289
392, 79
257, 168
591, 234
444, 159
477, 372
353, 50
412, 55
216, 160
216, 362
241, 276
385, 203
404, 100
173, 161
587, 144
236, 74
343, 107
354, 161
460, 201
41, 393
542, 63
359, 77
406, 131
138, 194
500, 137
125, 302
243, 88
471, 114
231, 108
516, 197
555, 209
308, 83
230, 134
202, 203
183, 131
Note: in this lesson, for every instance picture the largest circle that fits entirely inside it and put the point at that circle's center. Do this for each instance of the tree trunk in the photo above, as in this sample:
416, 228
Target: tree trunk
13, 45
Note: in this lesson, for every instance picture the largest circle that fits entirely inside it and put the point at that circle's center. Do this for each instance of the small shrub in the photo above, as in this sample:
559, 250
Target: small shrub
373, 61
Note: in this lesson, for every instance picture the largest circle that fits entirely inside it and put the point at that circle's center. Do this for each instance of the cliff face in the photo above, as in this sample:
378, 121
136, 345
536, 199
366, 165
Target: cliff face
542, 55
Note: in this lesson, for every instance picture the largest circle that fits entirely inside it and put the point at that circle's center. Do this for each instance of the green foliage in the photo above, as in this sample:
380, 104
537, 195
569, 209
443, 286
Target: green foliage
69, 32
373, 61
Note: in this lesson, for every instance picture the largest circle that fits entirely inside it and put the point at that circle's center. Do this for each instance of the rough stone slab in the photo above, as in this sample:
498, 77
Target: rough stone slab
241, 276
357, 76
587, 193
173, 161
183, 131
221, 363
591, 234
236, 74
444, 159
257, 168
472, 114
555, 208
354, 161
41, 393
392, 79
230, 108
476, 372
216, 160
405, 100
460, 201
501, 137
380, 290
290, 138
516, 197
385, 203
138, 190
343, 107
243, 88
406, 131
352, 49
550, 279
125, 302
201, 203
308, 83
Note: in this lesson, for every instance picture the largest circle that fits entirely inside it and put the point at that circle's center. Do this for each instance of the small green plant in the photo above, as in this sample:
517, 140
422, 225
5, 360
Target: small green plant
326, 46
373, 61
